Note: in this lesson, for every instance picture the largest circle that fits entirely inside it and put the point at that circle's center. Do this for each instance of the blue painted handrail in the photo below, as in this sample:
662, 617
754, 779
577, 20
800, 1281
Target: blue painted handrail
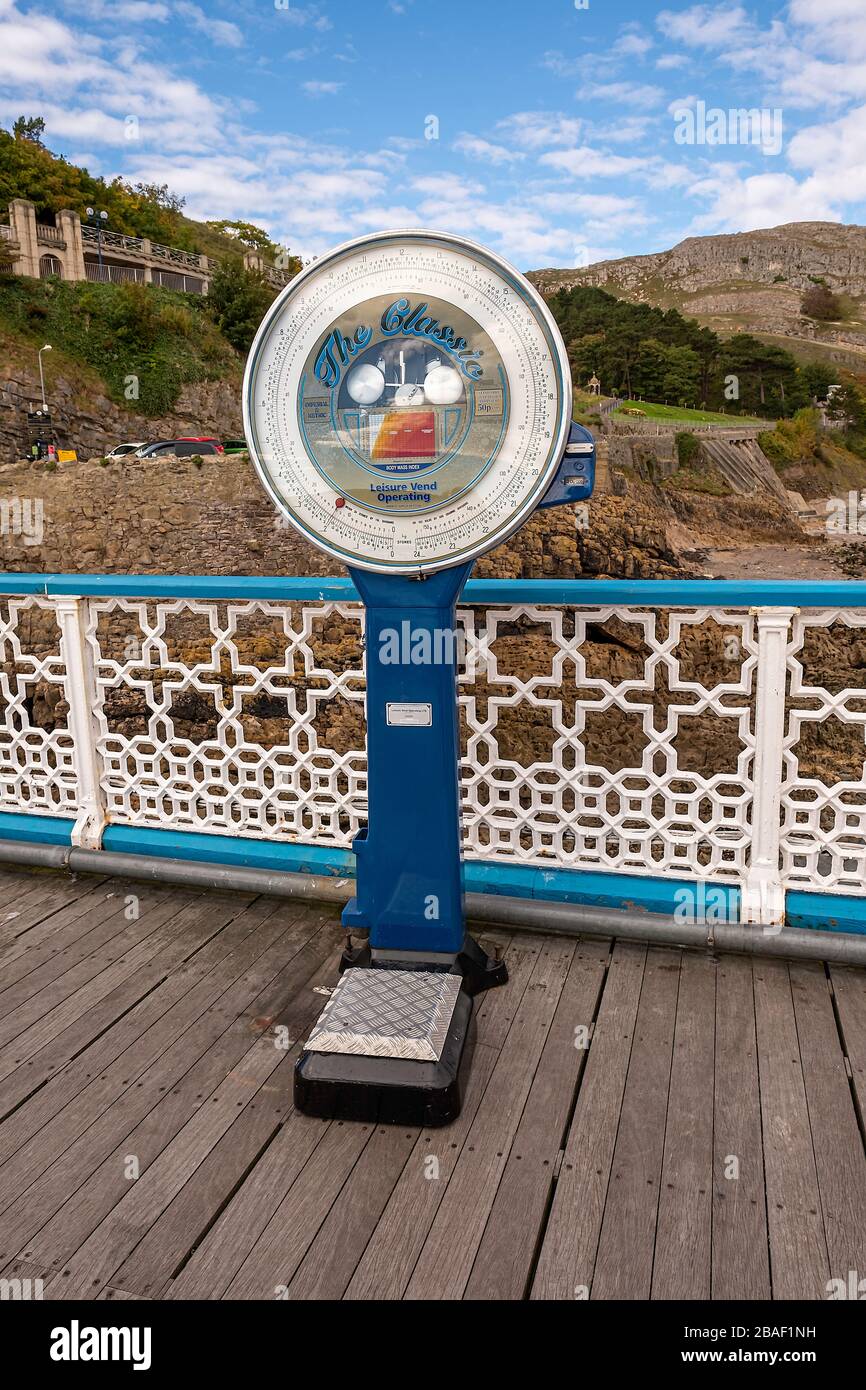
636, 593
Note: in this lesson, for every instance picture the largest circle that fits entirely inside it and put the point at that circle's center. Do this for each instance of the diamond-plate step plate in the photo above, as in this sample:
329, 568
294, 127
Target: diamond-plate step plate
388, 1013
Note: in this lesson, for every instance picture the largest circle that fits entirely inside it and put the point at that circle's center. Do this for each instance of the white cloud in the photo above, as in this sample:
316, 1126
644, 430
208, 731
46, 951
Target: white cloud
829, 149
625, 93
632, 45
763, 200
322, 89
221, 31
704, 26
838, 26
484, 150
585, 162
303, 16
533, 130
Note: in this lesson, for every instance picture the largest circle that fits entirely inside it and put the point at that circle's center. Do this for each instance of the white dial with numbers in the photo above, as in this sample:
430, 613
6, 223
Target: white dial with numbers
407, 400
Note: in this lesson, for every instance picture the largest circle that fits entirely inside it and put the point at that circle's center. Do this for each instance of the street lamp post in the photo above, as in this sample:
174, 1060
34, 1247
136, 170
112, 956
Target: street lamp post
97, 220
46, 348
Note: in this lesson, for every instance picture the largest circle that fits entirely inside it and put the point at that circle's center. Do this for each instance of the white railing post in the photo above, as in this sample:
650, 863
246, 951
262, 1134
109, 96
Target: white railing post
763, 894
81, 697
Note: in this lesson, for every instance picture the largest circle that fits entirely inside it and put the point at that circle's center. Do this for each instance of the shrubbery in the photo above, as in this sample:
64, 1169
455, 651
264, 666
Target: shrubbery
145, 342
237, 300
687, 448
658, 355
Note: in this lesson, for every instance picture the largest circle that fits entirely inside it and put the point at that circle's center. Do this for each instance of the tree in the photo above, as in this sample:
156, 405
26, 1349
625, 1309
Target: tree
29, 128
248, 234
819, 302
237, 300
160, 195
28, 170
818, 377
847, 408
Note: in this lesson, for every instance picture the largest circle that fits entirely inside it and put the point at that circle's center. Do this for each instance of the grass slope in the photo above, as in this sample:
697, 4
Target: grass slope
677, 414
144, 342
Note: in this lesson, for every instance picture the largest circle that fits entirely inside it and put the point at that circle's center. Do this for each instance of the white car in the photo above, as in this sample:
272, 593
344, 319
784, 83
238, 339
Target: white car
121, 450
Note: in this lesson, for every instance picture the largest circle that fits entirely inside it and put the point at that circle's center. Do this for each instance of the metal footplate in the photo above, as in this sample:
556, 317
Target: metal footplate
387, 1048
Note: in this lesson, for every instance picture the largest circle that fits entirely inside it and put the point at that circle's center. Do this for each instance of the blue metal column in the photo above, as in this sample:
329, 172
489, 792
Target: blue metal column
409, 891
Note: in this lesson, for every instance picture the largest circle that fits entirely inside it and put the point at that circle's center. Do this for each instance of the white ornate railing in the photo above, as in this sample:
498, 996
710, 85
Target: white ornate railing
710, 732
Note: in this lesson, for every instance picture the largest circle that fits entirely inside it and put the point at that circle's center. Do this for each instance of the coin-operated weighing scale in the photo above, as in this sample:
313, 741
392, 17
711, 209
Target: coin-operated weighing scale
407, 403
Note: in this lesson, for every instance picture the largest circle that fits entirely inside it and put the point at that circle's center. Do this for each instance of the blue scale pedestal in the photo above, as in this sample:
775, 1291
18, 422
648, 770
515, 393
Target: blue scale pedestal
388, 1045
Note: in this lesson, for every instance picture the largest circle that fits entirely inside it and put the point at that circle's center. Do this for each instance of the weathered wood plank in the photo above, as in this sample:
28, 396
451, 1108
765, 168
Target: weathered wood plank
206, 933
329, 1263
75, 1134
179, 1228
51, 911
270, 1266
212, 1266
740, 1249
503, 1265
624, 1259
107, 941
328, 1266
278, 1252
129, 1218
39, 965
798, 1246
836, 1136
445, 1262
682, 1267
75, 1005
849, 987
567, 1259
185, 1080
390, 1257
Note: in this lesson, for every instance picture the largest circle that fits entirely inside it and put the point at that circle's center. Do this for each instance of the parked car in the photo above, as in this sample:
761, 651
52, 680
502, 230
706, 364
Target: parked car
121, 450
204, 439
181, 448
235, 446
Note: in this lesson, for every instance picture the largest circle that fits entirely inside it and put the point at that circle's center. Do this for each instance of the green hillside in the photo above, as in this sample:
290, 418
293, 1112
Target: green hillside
143, 342
638, 350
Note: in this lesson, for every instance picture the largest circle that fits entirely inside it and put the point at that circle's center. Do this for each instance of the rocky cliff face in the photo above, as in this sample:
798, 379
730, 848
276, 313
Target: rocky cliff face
173, 516
745, 282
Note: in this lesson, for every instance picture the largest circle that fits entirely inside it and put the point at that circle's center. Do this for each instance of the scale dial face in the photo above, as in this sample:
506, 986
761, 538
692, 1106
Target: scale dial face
407, 401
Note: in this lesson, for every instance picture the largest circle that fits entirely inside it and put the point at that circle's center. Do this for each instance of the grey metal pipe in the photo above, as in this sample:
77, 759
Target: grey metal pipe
36, 856
520, 914
224, 878
571, 919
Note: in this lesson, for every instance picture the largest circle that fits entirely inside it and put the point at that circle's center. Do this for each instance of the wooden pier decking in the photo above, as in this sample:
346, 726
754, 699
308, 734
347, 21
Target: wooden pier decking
638, 1122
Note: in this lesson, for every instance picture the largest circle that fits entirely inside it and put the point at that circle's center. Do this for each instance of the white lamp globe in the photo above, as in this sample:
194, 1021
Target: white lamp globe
442, 386
365, 384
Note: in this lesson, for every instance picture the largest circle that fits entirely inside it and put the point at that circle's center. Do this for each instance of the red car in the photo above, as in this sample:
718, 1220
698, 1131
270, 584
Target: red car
203, 439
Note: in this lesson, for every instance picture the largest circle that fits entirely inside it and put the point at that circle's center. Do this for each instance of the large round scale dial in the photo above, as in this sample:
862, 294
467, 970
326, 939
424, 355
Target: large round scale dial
407, 400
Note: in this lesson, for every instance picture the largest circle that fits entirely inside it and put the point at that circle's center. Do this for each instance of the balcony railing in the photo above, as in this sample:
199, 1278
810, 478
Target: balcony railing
49, 236
133, 245
116, 240
113, 274
620, 739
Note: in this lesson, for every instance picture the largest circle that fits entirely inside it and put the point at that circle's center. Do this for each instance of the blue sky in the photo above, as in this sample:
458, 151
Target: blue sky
554, 127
